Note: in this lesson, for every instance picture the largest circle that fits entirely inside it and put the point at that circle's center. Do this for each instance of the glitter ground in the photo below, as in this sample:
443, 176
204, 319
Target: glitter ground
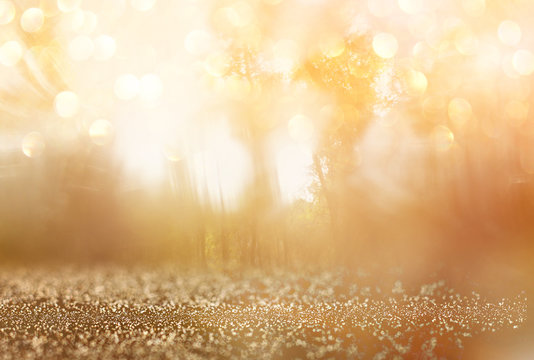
166, 314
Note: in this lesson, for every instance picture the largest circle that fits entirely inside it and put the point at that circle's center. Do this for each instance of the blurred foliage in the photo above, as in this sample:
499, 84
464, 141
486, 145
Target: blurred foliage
421, 159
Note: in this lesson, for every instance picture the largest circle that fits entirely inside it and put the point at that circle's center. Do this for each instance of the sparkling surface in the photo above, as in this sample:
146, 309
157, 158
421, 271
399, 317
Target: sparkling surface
154, 314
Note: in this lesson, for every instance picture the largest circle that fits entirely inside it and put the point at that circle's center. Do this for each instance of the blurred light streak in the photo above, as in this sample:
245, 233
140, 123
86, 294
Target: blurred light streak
293, 162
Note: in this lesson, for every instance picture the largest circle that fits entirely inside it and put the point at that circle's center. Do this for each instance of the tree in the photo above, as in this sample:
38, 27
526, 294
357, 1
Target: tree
350, 76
